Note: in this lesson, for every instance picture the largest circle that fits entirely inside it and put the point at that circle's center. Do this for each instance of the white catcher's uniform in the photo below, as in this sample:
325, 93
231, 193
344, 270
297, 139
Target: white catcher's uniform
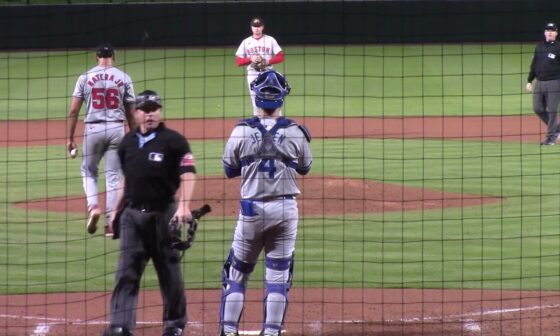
104, 91
266, 47
268, 219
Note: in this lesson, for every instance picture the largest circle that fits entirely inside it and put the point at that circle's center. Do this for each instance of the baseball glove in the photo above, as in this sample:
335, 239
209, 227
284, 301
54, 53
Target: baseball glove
180, 240
260, 66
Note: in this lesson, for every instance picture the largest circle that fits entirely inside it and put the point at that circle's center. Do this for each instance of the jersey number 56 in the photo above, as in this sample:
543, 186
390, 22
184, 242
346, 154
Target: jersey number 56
104, 98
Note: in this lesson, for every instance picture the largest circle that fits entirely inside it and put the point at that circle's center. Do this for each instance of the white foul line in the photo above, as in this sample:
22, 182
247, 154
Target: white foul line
475, 314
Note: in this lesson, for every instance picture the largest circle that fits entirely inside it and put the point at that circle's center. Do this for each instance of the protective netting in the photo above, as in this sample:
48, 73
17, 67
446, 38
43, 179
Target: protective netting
431, 206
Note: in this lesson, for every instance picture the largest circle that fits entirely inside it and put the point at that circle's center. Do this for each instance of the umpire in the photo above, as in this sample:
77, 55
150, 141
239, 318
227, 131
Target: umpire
545, 67
159, 179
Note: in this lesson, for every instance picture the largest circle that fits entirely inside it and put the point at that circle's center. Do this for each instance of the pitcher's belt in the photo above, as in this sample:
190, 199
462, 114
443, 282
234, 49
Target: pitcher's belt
104, 121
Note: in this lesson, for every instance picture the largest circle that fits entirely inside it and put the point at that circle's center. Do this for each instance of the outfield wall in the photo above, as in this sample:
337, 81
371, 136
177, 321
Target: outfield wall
297, 22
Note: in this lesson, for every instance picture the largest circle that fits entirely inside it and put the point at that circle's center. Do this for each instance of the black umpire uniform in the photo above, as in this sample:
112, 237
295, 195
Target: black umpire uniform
153, 164
545, 67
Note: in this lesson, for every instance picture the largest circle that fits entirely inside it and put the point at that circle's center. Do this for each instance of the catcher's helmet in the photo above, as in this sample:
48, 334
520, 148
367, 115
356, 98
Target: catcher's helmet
270, 88
148, 99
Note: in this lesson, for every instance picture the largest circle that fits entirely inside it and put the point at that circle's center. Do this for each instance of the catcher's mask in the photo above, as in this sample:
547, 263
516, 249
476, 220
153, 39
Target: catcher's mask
270, 88
147, 99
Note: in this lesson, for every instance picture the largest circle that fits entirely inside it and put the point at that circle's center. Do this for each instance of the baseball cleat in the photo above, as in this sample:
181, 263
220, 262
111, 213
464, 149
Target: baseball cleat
172, 331
93, 218
108, 231
230, 333
117, 331
550, 141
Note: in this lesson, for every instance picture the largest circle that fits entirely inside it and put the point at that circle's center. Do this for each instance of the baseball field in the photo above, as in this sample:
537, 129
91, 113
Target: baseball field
430, 208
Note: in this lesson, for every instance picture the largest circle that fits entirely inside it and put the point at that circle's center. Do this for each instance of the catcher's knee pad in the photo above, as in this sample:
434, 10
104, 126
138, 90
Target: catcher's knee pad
234, 283
279, 274
279, 270
235, 273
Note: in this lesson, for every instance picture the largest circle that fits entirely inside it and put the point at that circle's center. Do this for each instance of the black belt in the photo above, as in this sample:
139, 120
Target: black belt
149, 206
104, 121
288, 197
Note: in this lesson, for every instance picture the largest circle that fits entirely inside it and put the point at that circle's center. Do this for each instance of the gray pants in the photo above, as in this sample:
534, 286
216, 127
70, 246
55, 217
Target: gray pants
250, 78
270, 226
546, 97
145, 235
101, 139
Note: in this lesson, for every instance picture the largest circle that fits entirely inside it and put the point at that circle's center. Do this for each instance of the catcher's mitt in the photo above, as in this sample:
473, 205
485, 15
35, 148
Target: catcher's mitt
178, 241
183, 241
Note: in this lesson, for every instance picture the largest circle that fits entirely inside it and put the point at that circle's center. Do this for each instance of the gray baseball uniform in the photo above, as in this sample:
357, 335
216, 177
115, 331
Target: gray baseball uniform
104, 90
267, 153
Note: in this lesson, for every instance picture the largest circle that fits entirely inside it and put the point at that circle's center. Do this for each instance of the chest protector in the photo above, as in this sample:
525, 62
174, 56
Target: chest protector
267, 149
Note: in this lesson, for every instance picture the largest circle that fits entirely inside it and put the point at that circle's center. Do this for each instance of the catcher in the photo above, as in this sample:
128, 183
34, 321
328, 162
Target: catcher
258, 52
267, 151
157, 165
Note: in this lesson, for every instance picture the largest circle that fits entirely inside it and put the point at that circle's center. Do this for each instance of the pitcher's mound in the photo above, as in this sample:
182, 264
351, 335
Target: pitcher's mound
321, 196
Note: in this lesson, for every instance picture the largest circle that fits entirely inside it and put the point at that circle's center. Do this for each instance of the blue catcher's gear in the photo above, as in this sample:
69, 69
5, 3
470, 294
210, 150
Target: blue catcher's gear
235, 275
279, 275
270, 88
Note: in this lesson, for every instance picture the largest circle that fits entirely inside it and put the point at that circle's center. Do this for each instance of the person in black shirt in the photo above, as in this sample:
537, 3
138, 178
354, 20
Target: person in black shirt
159, 179
545, 68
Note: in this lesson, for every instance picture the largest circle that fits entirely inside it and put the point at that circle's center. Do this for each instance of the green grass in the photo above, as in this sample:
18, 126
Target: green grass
513, 244
468, 79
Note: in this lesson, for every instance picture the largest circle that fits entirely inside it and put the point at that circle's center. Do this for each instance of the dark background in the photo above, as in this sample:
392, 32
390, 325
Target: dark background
227, 23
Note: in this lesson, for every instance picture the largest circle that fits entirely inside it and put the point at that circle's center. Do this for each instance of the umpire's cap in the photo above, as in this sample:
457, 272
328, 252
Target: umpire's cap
270, 88
551, 26
105, 50
147, 99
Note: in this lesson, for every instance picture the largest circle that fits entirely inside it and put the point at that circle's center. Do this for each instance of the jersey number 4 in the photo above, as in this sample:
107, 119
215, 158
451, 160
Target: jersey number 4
104, 98
267, 166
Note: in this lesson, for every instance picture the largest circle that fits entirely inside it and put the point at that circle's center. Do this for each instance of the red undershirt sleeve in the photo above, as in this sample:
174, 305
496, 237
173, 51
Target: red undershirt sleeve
277, 58
241, 61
